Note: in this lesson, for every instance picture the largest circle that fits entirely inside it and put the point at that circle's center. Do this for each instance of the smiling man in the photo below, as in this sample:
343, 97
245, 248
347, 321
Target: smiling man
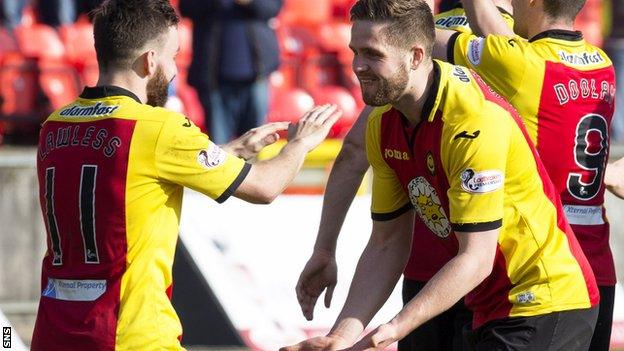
445, 147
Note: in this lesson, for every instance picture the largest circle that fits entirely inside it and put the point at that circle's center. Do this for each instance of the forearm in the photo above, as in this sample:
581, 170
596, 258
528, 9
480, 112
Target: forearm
344, 180
376, 275
458, 277
485, 18
269, 178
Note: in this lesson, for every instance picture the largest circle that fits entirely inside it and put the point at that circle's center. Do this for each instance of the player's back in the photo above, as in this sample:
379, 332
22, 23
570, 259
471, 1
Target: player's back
112, 226
563, 89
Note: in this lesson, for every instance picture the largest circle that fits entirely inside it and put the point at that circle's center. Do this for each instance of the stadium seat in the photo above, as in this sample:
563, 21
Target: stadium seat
7, 43
306, 12
78, 41
342, 98
334, 36
288, 105
319, 71
20, 97
59, 82
39, 41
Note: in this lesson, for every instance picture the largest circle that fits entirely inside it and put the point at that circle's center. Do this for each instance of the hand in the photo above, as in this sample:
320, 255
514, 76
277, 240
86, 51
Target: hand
314, 126
378, 339
320, 343
614, 177
252, 142
320, 273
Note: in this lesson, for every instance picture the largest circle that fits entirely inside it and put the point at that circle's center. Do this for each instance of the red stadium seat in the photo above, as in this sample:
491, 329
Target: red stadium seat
319, 71
288, 105
342, 98
7, 43
334, 37
19, 87
39, 41
79, 42
59, 82
306, 12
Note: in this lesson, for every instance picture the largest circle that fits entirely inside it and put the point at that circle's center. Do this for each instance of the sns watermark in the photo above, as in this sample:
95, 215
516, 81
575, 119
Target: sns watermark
6, 337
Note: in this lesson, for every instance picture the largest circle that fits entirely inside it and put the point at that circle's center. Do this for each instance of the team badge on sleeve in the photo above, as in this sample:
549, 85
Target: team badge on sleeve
481, 182
212, 157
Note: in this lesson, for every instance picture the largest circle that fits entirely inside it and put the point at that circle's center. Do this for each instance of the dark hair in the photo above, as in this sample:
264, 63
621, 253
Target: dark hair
405, 18
122, 27
566, 9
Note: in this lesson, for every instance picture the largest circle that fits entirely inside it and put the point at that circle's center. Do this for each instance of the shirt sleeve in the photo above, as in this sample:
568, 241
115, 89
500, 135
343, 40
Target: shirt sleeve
185, 156
475, 162
499, 60
389, 199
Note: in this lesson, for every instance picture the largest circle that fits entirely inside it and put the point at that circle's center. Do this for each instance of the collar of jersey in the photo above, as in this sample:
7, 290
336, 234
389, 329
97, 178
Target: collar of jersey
435, 93
106, 91
561, 34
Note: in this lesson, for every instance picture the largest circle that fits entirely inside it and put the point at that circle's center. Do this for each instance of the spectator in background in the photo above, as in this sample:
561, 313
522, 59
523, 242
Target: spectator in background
50, 12
234, 51
614, 46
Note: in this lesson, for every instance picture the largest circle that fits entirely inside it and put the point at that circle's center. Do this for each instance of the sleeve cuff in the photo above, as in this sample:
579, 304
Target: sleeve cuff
235, 184
382, 217
477, 227
450, 48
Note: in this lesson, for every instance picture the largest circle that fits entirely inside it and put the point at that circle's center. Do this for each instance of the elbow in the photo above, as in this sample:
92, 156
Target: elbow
265, 196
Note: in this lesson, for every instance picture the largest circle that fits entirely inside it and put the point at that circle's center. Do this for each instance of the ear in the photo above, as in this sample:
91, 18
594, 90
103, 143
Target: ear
418, 56
145, 65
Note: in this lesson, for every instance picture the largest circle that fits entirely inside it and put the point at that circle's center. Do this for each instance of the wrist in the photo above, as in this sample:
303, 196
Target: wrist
402, 324
325, 251
348, 330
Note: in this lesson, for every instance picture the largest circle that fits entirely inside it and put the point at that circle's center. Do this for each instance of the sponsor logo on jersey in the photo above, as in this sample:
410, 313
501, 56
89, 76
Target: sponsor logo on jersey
452, 22
74, 290
99, 109
475, 50
481, 182
584, 215
461, 74
396, 154
581, 58
525, 297
212, 157
425, 200
464, 134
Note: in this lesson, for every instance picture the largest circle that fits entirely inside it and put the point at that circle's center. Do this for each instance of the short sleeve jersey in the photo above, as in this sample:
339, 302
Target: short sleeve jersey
564, 90
429, 253
111, 173
470, 166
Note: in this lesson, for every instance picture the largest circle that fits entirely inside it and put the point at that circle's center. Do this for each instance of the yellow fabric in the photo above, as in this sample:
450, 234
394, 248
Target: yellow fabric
514, 67
537, 252
164, 157
455, 19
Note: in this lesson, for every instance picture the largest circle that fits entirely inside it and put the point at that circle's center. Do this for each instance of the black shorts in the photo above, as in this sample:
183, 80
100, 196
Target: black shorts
562, 331
602, 334
442, 333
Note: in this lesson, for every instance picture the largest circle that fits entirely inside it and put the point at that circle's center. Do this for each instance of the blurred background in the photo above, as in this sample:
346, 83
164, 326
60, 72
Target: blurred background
234, 280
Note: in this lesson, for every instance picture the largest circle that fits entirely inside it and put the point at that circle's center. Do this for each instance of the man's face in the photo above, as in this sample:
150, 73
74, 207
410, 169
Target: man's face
521, 14
158, 84
381, 68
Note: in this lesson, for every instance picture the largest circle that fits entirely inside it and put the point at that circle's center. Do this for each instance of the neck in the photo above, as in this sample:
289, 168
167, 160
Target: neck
549, 24
412, 102
126, 80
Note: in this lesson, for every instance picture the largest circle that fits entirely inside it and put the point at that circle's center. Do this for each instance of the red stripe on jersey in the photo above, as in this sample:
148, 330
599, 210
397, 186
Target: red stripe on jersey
549, 192
574, 120
82, 169
490, 299
429, 252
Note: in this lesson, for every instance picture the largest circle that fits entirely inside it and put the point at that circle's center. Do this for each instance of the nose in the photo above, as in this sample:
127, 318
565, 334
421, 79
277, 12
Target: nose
359, 65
